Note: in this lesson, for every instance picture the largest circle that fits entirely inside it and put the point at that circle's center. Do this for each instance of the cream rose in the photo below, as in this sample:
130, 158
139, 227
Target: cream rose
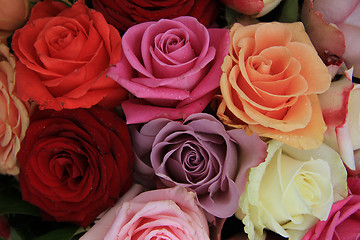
14, 115
291, 190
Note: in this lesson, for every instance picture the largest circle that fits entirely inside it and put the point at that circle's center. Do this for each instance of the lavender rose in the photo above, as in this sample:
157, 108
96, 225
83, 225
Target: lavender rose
198, 154
172, 67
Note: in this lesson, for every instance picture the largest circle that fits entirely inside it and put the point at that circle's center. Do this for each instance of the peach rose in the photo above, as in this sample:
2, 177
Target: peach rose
14, 115
270, 81
13, 15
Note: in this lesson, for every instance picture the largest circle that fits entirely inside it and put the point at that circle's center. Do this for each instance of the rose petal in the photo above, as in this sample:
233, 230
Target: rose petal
149, 112
327, 38
333, 11
312, 135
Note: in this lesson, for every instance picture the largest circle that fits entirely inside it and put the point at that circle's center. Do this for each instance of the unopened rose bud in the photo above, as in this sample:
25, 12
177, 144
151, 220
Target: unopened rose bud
258, 8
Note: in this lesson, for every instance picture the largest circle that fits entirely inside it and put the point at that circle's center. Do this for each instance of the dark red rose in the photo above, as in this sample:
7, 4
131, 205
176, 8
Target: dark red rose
4, 228
75, 163
125, 13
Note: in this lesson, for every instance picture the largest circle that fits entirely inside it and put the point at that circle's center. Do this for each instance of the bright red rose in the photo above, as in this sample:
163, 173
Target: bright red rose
64, 53
75, 163
125, 13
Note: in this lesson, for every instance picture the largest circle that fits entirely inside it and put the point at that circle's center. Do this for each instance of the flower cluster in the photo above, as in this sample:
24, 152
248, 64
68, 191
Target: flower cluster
179, 119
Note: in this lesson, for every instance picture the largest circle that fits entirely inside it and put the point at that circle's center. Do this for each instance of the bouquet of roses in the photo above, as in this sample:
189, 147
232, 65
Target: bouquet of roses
177, 119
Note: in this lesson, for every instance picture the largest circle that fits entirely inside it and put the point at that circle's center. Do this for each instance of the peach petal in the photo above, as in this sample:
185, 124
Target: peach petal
284, 88
225, 116
246, 45
272, 34
280, 58
260, 64
242, 40
314, 71
227, 91
260, 98
292, 69
309, 137
296, 117
298, 33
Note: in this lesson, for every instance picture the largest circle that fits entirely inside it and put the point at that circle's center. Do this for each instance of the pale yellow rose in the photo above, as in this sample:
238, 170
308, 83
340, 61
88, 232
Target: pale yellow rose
291, 190
14, 115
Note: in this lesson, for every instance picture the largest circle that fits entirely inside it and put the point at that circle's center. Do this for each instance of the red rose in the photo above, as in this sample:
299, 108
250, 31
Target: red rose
4, 228
125, 13
75, 163
64, 54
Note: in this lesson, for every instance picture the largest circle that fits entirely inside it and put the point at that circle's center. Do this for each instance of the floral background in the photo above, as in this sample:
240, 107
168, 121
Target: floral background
211, 119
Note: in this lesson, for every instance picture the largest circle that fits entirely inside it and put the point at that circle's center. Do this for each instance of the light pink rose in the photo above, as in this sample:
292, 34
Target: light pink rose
172, 67
334, 29
344, 219
257, 8
14, 115
341, 114
169, 213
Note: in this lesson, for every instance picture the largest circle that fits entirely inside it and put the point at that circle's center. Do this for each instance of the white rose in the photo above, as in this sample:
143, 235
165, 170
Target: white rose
291, 190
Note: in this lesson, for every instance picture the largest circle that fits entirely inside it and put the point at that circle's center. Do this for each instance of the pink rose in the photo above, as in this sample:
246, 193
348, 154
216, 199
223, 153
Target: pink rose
334, 29
258, 8
344, 219
172, 67
341, 114
169, 213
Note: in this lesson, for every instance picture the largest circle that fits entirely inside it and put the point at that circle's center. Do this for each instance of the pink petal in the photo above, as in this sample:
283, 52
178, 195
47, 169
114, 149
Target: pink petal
327, 39
335, 11
99, 230
248, 7
352, 51
138, 111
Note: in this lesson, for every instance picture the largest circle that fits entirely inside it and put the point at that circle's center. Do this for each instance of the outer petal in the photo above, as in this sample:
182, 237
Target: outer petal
309, 137
99, 230
246, 7
327, 38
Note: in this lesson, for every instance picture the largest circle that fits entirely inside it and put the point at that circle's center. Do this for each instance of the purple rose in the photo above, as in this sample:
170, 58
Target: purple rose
198, 154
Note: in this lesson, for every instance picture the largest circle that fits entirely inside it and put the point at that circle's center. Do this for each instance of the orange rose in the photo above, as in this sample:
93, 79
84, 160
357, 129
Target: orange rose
14, 115
64, 54
270, 81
